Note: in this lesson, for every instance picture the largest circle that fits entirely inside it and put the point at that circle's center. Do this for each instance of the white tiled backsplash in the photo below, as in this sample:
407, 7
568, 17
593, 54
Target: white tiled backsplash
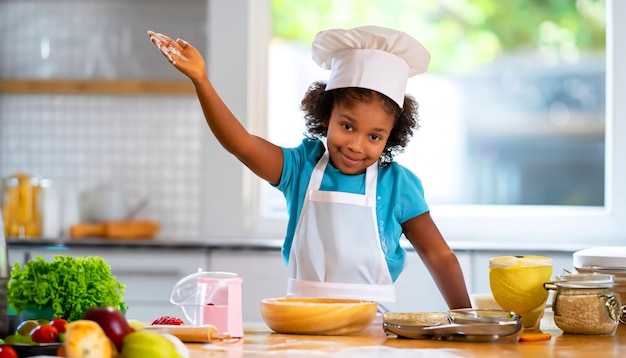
94, 38
148, 145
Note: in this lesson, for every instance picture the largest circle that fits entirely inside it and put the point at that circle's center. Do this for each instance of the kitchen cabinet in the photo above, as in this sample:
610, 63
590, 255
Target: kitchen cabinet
148, 273
416, 290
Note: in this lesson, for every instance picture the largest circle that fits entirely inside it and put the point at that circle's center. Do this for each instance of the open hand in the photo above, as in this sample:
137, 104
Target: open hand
180, 54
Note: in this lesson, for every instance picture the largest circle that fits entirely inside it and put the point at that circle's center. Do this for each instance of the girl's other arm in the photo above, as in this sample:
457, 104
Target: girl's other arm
262, 157
440, 260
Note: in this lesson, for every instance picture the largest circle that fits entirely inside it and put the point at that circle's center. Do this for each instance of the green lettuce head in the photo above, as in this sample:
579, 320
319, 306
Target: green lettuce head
65, 287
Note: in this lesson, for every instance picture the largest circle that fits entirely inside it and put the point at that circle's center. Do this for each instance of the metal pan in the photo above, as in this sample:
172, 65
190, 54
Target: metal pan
462, 325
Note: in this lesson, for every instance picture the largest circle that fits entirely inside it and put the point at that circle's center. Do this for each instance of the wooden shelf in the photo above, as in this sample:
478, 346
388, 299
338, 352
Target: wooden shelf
97, 86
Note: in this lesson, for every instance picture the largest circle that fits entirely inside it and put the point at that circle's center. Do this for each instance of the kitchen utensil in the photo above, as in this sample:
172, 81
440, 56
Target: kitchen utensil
457, 325
139, 206
517, 285
191, 334
211, 298
473, 315
321, 316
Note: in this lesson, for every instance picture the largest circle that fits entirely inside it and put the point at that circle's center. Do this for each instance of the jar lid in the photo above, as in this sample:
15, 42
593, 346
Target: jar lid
607, 257
585, 280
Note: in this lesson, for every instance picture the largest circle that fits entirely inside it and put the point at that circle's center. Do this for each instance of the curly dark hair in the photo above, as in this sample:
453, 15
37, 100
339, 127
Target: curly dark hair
318, 104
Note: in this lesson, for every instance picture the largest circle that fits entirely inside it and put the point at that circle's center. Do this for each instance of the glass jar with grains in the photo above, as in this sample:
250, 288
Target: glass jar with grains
585, 304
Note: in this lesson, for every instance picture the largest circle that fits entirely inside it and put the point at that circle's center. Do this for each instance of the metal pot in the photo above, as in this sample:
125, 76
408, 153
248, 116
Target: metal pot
108, 202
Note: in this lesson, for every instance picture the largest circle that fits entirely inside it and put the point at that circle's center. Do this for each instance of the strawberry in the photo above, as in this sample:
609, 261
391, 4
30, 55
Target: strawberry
169, 320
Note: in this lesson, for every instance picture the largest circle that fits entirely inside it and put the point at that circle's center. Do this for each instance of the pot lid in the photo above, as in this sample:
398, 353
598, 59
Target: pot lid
607, 257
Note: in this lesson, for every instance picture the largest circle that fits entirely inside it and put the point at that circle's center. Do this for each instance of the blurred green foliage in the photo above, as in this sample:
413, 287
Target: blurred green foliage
460, 34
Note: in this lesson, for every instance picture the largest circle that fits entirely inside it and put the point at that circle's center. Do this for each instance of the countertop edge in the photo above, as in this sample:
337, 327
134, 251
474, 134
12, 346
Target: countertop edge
259, 244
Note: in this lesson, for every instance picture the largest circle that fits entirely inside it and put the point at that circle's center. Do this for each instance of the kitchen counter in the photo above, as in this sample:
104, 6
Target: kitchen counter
226, 243
252, 243
373, 342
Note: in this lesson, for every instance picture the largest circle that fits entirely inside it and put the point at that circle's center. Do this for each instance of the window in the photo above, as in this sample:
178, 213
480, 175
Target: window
512, 108
580, 202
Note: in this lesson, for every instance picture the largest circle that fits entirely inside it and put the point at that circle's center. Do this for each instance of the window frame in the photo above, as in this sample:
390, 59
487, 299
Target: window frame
464, 226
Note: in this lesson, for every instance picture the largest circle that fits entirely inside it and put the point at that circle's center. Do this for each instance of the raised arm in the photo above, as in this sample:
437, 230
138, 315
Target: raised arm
440, 260
264, 158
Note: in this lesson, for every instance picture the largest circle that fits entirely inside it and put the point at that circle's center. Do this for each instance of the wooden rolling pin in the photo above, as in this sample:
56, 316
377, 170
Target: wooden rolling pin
191, 334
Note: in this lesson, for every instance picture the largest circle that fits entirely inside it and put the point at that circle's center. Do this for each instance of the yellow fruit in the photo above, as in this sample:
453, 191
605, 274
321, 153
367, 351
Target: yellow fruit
517, 283
141, 344
85, 339
179, 346
135, 324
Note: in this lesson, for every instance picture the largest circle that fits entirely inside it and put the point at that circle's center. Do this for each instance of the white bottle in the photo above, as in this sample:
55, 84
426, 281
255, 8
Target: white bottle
50, 210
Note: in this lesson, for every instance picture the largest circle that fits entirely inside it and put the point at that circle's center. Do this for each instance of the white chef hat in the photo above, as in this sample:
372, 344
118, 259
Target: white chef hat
372, 57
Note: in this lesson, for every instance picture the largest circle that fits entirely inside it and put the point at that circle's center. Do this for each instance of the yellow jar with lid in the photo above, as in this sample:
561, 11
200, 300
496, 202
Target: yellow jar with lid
20, 205
585, 304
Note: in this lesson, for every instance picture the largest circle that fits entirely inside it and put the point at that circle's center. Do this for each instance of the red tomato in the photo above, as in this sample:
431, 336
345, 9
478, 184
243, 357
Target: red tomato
44, 333
6, 351
59, 324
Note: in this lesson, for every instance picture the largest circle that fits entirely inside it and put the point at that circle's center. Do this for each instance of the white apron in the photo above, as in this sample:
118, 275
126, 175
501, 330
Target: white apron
336, 250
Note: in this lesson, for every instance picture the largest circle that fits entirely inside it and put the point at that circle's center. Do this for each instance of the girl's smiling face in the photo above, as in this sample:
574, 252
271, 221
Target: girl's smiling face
357, 135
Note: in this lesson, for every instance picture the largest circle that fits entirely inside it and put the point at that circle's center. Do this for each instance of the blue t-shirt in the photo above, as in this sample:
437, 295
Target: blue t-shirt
399, 196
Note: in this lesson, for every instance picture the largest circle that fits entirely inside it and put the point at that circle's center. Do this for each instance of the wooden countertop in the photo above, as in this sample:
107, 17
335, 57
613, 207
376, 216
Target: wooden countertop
373, 342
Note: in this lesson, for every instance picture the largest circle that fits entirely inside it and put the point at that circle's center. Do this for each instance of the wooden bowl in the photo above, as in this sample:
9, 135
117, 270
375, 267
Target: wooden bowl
321, 316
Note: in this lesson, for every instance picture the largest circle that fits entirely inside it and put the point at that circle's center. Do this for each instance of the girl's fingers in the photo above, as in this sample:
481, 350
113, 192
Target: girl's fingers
156, 42
159, 36
159, 39
165, 45
166, 52
172, 50
175, 50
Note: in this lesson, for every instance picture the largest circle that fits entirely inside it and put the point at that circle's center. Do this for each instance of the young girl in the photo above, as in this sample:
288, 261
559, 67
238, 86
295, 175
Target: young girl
348, 202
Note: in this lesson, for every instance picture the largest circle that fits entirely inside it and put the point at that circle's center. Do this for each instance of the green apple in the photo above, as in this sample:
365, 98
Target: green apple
18, 339
140, 344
